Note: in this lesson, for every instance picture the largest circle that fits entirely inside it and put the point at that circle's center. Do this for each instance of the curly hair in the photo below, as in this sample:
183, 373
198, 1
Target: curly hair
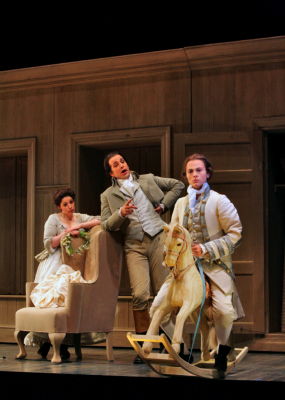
61, 193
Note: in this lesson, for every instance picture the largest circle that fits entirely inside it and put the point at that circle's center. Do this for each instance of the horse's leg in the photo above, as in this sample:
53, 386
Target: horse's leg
181, 317
153, 329
205, 338
205, 334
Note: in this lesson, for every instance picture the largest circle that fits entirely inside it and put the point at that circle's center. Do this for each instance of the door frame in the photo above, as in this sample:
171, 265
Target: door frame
27, 147
262, 126
114, 139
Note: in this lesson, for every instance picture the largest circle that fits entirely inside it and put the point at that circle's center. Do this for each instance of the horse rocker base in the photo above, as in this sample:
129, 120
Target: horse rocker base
171, 364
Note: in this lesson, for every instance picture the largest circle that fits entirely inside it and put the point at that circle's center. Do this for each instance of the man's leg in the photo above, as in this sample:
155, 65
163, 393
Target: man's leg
223, 315
158, 272
138, 268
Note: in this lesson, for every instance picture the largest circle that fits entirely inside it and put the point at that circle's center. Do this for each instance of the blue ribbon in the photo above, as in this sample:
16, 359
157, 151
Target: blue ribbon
200, 269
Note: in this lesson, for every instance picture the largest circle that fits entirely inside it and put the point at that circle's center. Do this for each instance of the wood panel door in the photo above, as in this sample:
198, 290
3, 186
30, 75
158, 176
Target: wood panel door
237, 174
93, 179
13, 217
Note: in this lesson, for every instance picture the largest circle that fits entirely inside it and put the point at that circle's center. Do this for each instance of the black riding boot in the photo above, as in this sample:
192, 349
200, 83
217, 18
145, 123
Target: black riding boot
64, 353
137, 359
142, 321
185, 357
44, 349
221, 358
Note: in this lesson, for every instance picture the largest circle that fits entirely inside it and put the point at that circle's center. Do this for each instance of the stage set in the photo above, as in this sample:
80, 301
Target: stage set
57, 124
259, 373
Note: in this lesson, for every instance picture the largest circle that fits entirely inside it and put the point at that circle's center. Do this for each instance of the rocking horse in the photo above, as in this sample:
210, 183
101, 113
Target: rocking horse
184, 289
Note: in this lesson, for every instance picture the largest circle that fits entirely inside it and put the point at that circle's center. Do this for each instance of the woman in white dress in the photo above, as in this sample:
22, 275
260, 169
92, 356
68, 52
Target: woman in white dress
52, 275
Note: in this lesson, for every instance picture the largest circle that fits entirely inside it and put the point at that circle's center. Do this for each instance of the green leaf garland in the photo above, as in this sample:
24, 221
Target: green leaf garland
66, 243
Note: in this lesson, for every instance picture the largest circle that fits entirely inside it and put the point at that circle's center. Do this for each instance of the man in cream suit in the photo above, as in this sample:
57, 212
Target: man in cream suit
215, 228
133, 205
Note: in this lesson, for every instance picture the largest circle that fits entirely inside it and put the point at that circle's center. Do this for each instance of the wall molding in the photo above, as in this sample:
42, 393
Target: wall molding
211, 56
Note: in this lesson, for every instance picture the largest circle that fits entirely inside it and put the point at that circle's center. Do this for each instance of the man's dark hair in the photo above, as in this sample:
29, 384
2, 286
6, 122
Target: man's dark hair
107, 158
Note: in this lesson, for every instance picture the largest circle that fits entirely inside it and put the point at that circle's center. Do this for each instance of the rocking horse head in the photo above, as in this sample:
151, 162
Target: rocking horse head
177, 248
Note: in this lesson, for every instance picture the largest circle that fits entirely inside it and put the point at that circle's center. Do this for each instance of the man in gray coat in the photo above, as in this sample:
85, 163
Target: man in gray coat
133, 205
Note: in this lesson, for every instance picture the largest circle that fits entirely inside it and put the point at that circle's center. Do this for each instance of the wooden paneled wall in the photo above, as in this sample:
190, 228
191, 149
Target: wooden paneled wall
212, 88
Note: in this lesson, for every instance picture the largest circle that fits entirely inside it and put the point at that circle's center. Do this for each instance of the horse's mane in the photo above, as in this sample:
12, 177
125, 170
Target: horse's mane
181, 228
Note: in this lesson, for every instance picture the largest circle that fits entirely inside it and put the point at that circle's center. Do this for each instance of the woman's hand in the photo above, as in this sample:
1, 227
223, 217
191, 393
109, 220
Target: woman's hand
55, 241
74, 232
75, 227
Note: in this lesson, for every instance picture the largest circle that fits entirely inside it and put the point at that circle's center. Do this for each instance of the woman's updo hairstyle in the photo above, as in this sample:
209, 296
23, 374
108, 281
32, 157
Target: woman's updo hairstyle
61, 193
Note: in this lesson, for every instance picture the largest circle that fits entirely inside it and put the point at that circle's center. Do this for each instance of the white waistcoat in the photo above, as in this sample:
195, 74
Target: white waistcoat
145, 215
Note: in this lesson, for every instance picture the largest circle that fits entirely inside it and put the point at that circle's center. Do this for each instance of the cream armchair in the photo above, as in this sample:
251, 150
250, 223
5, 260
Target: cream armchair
90, 307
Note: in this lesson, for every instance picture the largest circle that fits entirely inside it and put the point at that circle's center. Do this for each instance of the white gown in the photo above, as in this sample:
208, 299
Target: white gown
52, 291
53, 278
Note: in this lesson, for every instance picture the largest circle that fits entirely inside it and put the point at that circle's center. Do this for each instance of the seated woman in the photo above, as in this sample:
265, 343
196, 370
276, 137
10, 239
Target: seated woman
52, 275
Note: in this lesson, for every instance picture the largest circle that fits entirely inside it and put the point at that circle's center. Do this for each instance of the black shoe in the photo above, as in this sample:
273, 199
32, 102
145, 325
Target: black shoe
138, 360
64, 353
44, 349
185, 357
221, 361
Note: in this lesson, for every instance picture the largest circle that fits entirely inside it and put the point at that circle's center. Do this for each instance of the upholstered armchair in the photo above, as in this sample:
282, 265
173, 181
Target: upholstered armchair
89, 307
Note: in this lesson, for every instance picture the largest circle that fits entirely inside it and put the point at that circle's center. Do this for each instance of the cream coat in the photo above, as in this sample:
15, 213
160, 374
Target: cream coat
224, 231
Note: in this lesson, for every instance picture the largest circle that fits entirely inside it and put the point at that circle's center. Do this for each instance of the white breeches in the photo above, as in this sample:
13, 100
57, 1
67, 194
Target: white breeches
223, 313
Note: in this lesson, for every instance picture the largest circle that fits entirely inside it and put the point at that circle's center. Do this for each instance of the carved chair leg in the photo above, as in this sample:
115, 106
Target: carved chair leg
56, 340
77, 346
109, 346
20, 336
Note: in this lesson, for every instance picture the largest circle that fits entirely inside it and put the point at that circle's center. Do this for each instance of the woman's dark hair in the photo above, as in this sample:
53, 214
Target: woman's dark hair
197, 156
61, 193
107, 158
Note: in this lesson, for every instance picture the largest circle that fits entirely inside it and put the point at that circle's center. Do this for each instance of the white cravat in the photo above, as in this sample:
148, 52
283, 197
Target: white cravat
192, 195
128, 184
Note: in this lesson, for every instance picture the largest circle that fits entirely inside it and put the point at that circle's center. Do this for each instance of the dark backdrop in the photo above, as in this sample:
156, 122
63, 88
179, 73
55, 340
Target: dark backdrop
56, 33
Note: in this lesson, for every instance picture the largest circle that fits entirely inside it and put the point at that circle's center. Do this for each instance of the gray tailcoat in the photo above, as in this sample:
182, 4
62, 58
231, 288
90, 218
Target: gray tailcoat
157, 190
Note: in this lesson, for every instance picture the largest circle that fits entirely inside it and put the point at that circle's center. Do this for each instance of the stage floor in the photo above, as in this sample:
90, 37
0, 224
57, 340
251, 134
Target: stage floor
257, 368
